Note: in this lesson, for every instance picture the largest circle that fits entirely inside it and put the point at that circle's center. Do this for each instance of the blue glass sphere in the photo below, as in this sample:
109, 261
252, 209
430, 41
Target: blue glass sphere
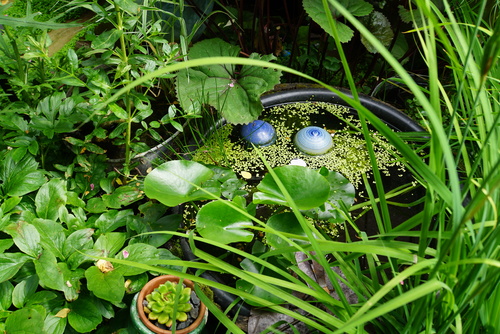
259, 133
313, 140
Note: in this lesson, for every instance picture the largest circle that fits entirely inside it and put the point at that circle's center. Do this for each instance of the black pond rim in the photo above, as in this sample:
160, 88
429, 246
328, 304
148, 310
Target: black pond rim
393, 117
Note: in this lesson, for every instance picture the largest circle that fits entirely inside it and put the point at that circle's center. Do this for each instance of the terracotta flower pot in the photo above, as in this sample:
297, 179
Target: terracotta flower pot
195, 327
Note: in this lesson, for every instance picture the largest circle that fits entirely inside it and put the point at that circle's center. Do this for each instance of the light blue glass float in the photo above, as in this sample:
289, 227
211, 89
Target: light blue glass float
259, 133
313, 140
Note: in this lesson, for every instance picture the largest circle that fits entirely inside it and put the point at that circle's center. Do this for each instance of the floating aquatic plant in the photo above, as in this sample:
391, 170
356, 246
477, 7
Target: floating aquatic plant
347, 156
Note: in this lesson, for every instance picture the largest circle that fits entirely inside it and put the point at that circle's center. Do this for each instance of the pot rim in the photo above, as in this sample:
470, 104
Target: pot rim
149, 287
297, 93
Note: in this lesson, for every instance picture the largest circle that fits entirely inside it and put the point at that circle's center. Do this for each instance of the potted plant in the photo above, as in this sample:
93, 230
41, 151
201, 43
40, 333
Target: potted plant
166, 303
236, 228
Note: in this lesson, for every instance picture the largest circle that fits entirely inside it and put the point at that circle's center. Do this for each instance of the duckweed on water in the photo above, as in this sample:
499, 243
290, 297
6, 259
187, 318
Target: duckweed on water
348, 156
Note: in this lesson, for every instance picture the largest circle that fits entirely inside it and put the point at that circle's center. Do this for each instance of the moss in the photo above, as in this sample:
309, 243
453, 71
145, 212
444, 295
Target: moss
349, 155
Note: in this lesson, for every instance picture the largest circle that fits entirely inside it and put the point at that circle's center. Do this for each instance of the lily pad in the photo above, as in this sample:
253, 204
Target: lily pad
341, 190
219, 222
179, 181
288, 223
308, 188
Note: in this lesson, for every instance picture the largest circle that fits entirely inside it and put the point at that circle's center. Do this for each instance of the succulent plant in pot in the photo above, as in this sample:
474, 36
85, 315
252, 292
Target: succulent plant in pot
166, 301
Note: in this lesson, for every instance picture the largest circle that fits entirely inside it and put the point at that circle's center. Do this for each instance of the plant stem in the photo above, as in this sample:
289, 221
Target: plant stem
128, 104
21, 73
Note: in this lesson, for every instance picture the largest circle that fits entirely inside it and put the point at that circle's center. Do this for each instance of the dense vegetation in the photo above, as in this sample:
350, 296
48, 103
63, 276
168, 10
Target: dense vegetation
77, 128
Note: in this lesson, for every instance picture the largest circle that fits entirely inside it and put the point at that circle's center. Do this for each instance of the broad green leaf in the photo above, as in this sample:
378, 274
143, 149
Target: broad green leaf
316, 11
5, 244
20, 177
96, 205
380, 27
51, 236
71, 81
6, 289
129, 6
234, 93
169, 222
23, 290
109, 286
49, 272
54, 324
357, 7
135, 283
50, 198
141, 253
107, 39
72, 284
284, 222
43, 297
211, 48
113, 219
110, 243
73, 198
341, 190
78, 240
219, 222
106, 308
26, 237
26, 320
178, 181
122, 196
10, 203
307, 187
76, 259
10, 263
84, 316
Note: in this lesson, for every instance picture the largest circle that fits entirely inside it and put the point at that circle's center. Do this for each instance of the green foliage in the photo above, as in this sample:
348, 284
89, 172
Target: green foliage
218, 221
44, 10
50, 242
234, 92
309, 189
178, 181
168, 302
316, 11
320, 194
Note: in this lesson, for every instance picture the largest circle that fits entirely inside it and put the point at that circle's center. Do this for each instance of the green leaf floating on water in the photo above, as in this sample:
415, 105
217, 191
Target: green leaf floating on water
219, 222
178, 181
285, 222
308, 188
233, 90
341, 190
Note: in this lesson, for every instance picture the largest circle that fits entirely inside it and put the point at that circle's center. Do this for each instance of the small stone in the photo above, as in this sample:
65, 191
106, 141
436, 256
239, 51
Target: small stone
298, 162
182, 325
194, 299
